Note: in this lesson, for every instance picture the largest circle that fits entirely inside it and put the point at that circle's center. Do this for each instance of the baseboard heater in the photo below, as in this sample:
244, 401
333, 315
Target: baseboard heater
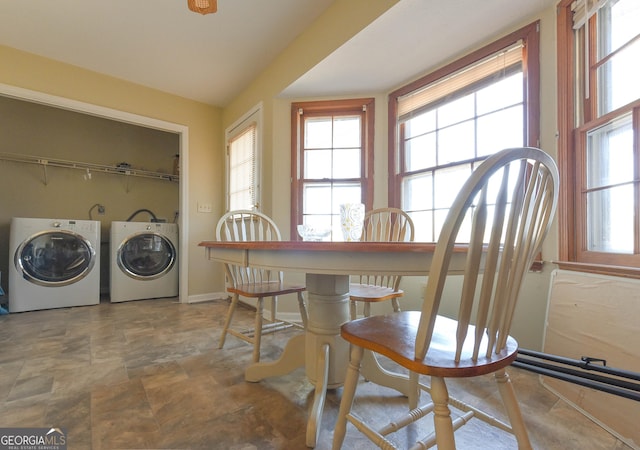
589, 372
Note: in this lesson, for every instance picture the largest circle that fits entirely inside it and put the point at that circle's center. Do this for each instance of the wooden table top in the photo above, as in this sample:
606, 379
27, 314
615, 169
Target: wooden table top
408, 258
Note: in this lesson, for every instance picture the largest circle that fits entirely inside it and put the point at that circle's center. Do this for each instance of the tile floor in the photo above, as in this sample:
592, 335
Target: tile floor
148, 375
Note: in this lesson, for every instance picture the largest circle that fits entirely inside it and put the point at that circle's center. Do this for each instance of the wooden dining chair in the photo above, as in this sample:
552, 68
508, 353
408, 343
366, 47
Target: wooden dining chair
503, 211
245, 225
381, 225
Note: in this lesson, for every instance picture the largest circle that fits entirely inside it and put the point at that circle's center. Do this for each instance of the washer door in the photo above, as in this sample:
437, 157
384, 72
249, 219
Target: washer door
55, 258
146, 256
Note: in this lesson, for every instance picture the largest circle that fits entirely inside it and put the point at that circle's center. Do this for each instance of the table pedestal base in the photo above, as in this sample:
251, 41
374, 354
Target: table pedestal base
322, 351
292, 358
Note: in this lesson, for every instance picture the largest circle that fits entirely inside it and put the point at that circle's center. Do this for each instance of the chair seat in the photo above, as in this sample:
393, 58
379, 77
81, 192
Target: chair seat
394, 336
266, 289
371, 293
243, 226
503, 211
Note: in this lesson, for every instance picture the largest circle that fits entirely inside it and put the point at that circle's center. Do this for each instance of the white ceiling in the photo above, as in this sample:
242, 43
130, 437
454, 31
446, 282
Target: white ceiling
408, 40
212, 58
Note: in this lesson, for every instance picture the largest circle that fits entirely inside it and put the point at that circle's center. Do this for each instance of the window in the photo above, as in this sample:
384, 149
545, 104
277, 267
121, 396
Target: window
332, 161
243, 179
448, 122
599, 148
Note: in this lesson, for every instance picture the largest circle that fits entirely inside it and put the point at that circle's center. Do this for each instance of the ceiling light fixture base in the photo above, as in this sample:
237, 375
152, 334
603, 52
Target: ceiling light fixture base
203, 6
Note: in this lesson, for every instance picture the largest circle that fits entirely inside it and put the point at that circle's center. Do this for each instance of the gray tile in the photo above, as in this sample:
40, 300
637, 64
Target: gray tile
148, 374
31, 387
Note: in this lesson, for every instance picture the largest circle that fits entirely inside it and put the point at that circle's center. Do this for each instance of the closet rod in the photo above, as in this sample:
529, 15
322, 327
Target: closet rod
53, 162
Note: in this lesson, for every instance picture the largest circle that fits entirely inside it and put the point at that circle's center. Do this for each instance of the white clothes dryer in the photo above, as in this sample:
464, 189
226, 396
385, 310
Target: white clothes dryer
53, 263
143, 260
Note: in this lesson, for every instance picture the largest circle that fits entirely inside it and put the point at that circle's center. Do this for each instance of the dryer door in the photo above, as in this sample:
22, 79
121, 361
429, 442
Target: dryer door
146, 256
55, 258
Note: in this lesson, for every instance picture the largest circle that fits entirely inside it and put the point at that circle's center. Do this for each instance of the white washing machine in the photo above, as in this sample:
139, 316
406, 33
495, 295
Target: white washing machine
144, 260
53, 263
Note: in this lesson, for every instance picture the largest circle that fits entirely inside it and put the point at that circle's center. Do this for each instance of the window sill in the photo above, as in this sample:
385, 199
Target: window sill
616, 271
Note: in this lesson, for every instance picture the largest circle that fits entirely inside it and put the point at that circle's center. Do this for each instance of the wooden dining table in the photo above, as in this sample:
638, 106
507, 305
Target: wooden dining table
328, 267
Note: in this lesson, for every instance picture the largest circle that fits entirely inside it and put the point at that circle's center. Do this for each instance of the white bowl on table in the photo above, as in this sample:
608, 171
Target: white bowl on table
309, 233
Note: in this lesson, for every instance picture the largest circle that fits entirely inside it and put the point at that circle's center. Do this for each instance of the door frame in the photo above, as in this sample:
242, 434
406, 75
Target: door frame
135, 119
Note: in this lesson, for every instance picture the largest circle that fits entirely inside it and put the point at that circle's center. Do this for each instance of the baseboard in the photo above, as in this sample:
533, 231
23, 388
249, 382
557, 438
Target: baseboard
293, 317
290, 317
207, 297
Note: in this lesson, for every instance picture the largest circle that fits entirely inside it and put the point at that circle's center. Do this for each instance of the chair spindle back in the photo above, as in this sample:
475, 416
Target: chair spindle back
244, 226
507, 206
386, 225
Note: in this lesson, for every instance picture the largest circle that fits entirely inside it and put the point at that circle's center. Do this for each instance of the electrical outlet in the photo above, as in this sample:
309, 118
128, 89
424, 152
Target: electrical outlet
204, 207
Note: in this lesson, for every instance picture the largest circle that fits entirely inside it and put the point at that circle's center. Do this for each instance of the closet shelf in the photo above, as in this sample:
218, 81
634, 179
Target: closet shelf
88, 167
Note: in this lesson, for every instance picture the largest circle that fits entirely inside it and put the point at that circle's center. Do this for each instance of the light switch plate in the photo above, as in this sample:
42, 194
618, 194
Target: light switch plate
204, 207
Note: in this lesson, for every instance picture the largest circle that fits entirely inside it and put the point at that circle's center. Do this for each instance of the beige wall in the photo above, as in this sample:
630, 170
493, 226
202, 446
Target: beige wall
596, 316
530, 317
205, 123
204, 139
35, 130
340, 22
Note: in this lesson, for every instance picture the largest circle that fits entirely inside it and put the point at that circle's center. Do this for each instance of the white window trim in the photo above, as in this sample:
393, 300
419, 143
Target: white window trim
254, 115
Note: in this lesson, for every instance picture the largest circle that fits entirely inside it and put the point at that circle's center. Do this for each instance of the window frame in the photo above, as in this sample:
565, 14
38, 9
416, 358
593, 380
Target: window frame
572, 232
364, 106
529, 35
253, 118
